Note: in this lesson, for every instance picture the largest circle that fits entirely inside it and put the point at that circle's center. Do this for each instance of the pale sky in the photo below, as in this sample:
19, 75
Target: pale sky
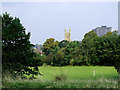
49, 19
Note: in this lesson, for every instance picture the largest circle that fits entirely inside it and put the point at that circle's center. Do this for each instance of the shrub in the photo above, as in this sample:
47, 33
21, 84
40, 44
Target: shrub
61, 77
44, 65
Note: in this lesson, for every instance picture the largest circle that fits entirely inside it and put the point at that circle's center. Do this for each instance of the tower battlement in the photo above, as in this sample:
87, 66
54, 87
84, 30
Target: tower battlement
68, 35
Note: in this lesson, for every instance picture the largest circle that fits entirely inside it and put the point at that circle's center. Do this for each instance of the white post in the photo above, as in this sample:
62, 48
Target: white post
93, 73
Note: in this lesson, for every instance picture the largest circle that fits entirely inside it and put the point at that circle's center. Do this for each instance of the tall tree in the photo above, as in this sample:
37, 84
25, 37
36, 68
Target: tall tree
87, 45
17, 54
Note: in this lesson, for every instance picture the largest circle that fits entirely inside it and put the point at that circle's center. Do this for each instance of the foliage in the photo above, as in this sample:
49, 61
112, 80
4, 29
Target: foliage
48, 59
63, 43
59, 59
107, 50
65, 54
77, 61
50, 46
17, 54
87, 46
39, 59
70, 51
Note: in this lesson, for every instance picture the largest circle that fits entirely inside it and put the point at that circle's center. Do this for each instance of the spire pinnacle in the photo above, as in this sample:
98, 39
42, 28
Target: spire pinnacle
69, 30
65, 29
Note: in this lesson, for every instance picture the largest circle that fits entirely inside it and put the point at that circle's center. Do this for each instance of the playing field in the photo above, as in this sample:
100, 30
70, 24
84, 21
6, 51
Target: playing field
78, 72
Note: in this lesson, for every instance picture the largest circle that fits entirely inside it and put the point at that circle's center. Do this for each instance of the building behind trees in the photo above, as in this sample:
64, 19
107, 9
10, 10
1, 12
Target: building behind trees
102, 30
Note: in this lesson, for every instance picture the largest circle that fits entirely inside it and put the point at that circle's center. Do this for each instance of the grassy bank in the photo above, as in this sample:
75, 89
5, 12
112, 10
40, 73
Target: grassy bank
100, 83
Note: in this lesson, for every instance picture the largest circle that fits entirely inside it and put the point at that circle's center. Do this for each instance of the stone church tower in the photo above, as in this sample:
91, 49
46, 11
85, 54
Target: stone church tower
68, 35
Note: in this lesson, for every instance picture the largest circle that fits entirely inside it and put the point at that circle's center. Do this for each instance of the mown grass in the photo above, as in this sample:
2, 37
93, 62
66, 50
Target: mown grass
79, 72
77, 77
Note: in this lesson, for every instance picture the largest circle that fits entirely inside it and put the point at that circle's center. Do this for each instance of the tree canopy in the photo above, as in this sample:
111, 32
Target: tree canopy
50, 46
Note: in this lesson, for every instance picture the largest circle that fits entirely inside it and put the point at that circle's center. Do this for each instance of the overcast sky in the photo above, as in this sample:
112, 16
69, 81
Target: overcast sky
49, 19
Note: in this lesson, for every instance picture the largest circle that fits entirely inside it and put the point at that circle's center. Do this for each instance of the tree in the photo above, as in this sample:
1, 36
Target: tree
107, 50
59, 59
17, 51
48, 59
117, 56
87, 46
50, 46
70, 52
63, 43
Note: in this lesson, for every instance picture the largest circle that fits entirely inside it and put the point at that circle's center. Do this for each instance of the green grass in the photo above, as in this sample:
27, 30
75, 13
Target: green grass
77, 77
78, 72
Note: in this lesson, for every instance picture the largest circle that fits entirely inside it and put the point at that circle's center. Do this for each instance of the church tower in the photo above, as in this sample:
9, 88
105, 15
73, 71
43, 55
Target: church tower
68, 35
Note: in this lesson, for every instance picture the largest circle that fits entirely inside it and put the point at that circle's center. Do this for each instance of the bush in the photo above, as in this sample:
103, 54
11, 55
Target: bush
61, 77
44, 65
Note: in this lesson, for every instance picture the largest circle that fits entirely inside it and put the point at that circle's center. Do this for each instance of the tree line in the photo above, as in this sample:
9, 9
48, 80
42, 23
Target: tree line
92, 50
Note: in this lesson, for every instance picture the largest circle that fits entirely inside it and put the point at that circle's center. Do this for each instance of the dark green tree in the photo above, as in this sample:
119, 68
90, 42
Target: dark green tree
50, 46
48, 59
63, 43
87, 46
117, 59
70, 52
107, 50
59, 59
17, 54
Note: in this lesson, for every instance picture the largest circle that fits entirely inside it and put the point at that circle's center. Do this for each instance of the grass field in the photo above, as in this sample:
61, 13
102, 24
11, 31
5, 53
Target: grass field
78, 72
77, 77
